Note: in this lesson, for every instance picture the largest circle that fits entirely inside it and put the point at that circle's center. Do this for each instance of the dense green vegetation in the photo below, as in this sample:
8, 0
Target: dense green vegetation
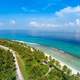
36, 66
7, 66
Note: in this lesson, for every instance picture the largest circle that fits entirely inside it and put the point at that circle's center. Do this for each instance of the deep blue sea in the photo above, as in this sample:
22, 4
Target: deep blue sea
69, 47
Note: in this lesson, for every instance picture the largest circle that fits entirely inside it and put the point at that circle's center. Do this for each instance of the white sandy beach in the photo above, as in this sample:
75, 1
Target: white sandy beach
74, 71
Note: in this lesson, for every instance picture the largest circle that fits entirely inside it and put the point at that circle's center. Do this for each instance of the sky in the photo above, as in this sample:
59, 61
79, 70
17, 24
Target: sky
35, 6
41, 16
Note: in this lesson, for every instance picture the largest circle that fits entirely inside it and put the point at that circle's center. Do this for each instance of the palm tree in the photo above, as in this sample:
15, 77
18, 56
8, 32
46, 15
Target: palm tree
57, 63
64, 69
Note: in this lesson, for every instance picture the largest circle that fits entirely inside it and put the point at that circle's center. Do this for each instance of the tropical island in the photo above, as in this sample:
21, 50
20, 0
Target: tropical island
19, 61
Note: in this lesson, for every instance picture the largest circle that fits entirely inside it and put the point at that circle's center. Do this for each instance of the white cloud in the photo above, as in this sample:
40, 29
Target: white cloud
12, 22
71, 23
1, 23
69, 10
43, 24
33, 23
78, 22
68, 24
69, 18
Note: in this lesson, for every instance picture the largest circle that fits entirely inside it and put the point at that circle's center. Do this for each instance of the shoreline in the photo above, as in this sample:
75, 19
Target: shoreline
62, 63
74, 71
